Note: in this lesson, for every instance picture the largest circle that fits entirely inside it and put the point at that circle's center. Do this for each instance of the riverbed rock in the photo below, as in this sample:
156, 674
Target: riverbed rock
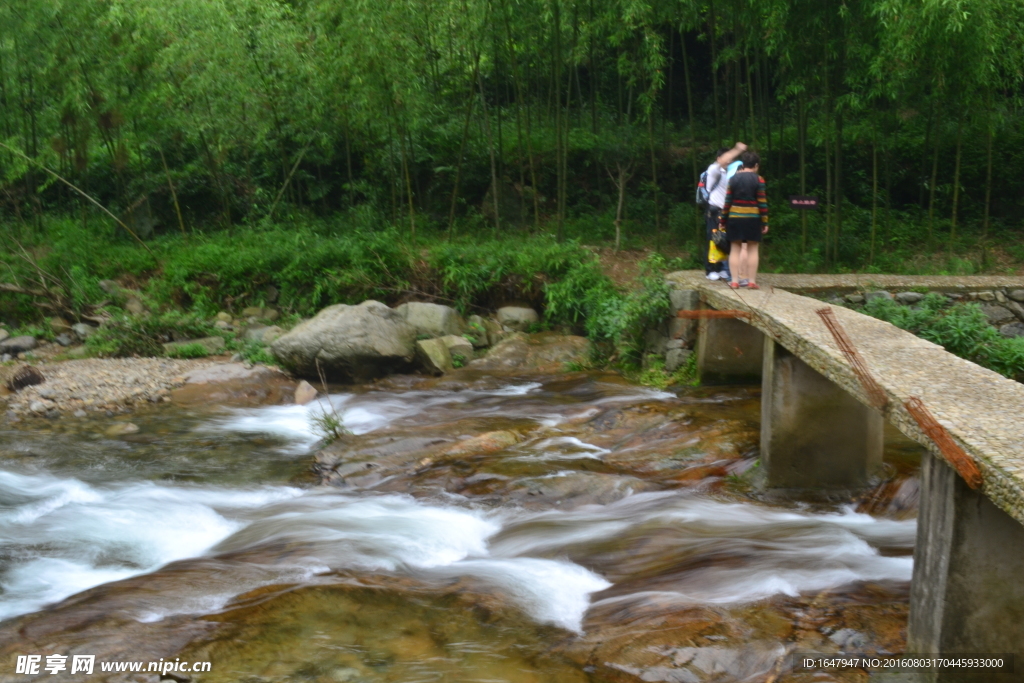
997, 315
1011, 330
854, 298
908, 298
517, 317
235, 384
544, 352
304, 393
480, 329
211, 344
120, 429
458, 346
65, 339
349, 342
434, 320
881, 294
16, 345
83, 330
433, 356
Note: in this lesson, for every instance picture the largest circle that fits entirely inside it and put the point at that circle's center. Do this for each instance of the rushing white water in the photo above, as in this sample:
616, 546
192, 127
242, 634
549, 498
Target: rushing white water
60, 535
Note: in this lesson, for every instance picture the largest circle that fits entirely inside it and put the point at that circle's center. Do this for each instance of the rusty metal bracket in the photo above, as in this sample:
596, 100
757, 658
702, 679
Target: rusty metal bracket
876, 394
950, 449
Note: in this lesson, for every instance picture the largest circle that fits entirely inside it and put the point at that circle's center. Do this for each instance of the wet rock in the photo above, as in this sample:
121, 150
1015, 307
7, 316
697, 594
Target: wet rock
16, 345
211, 344
458, 346
997, 315
544, 352
517, 317
854, 298
40, 407
908, 298
849, 640
871, 296
134, 306
349, 342
676, 358
120, 429
434, 320
1011, 330
433, 356
21, 376
489, 442
83, 330
304, 393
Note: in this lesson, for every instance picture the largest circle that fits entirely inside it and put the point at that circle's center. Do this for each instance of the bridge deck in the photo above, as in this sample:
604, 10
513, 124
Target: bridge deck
980, 408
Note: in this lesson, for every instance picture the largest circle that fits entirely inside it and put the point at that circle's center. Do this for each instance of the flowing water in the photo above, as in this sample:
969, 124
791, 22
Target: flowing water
545, 528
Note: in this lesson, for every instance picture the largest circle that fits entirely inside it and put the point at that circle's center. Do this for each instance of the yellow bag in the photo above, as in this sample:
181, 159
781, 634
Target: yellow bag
716, 255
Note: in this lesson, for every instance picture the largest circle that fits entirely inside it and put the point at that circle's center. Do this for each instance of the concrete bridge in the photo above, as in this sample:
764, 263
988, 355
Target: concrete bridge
818, 430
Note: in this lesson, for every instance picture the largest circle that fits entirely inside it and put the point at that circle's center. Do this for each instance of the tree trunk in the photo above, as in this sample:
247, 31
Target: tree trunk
462, 153
874, 192
495, 188
956, 182
934, 179
697, 222
801, 133
988, 190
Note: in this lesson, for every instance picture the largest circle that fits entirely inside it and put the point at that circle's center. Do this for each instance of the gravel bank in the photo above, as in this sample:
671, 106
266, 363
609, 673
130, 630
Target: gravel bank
94, 384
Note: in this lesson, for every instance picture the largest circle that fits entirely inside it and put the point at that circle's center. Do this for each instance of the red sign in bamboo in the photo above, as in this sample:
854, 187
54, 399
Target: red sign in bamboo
950, 449
876, 394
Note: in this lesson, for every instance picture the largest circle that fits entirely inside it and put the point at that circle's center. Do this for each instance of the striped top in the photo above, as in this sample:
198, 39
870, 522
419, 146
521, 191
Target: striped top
745, 198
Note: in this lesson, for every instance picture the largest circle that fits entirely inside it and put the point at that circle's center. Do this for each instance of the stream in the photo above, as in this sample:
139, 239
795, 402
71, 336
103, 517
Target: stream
567, 527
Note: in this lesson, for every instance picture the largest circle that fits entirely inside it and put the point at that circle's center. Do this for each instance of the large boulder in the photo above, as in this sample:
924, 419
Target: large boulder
544, 352
16, 345
433, 356
434, 320
517, 317
350, 342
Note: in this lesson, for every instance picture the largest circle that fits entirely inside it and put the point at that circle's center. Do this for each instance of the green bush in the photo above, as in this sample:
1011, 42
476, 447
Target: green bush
126, 335
195, 350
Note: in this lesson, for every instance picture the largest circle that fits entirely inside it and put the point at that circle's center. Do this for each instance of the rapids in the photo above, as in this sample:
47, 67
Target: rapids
567, 527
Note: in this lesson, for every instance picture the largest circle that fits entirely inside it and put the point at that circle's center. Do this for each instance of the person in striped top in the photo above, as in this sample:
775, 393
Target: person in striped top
745, 219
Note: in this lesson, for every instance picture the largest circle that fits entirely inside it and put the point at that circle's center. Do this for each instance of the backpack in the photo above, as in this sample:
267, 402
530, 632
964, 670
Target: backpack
703, 198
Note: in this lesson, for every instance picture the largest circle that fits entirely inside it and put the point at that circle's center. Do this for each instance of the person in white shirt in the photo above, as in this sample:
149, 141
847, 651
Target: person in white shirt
719, 172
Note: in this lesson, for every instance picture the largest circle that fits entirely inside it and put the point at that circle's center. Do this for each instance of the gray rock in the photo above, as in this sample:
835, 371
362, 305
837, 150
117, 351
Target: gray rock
909, 297
684, 300
1011, 330
350, 342
83, 330
655, 342
517, 317
478, 327
1016, 295
676, 358
849, 640
997, 315
271, 292
1000, 296
254, 333
222, 325
48, 393
79, 413
304, 393
870, 296
271, 334
16, 345
110, 287
986, 296
78, 352
271, 314
39, 407
682, 329
211, 344
134, 306
6, 358
225, 316
458, 346
674, 344
432, 319
254, 311
65, 339
433, 356
4, 334
1016, 309
236, 358
854, 298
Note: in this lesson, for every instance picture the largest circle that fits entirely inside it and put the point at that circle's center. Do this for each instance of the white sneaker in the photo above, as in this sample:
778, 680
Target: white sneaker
714, 275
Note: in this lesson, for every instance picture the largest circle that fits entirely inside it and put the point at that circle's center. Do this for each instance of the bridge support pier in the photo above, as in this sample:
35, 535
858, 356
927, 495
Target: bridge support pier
814, 435
729, 351
967, 595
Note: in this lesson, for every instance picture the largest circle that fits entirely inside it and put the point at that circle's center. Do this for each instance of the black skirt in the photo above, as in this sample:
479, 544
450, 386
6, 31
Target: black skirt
743, 229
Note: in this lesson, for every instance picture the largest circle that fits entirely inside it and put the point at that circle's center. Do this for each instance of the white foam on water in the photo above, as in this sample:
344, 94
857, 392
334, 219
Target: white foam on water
62, 536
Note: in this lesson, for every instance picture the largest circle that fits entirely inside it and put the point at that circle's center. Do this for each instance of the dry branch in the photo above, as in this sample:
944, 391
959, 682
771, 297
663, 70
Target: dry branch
950, 449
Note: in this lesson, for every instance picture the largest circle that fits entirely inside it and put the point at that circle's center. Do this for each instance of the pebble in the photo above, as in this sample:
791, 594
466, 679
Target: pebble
102, 384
